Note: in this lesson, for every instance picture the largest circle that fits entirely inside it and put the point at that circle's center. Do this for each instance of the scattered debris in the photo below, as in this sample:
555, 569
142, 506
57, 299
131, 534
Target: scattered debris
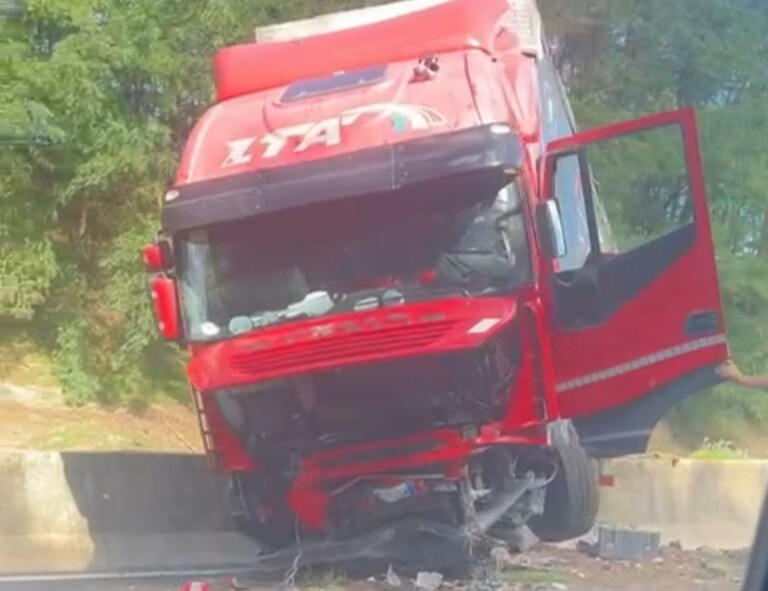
393, 580
501, 558
552, 568
429, 581
622, 544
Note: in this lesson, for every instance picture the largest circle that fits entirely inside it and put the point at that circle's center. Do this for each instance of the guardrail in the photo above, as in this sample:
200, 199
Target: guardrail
97, 512
89, 512
697, 503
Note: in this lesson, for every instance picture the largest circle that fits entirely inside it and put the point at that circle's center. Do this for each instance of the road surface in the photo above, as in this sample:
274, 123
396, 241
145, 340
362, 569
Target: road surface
123, 585
543, 569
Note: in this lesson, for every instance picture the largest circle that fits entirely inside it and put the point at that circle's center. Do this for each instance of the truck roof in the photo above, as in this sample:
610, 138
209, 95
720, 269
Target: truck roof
408, 29
339, 21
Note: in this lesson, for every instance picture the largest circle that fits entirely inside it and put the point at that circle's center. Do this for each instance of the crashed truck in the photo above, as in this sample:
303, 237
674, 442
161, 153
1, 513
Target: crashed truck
390, 259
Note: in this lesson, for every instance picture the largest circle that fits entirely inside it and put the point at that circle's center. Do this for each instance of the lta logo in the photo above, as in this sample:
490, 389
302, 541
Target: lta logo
327, 132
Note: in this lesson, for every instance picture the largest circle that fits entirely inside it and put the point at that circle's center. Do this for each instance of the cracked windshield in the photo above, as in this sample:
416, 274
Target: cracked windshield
346, 295
240, 276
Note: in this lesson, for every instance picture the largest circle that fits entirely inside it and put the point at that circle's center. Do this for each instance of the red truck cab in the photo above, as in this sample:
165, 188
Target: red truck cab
413, 293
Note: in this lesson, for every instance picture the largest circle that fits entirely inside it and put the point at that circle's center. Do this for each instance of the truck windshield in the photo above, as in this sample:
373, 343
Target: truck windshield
304, 263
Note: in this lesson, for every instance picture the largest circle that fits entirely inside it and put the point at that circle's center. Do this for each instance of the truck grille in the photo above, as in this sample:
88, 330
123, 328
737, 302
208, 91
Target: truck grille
345, 348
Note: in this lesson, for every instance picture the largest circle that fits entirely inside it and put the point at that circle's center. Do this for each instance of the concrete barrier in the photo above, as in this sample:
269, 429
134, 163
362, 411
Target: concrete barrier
75, 512
713, 504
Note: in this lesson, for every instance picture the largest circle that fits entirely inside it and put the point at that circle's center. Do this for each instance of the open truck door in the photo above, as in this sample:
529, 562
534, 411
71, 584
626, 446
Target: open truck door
631, 282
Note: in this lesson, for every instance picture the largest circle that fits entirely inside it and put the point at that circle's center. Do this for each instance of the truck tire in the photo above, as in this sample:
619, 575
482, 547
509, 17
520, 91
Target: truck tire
573, 497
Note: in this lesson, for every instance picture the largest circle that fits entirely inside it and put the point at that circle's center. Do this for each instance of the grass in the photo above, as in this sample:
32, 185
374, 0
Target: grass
323, 581
84, 436
24, 361
719, 450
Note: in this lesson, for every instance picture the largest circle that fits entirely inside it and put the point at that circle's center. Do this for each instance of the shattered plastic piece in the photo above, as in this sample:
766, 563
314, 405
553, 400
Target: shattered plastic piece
195, 586
429, 581
392, 579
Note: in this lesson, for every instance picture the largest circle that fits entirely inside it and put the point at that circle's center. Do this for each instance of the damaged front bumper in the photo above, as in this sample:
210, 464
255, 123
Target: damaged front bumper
410, 544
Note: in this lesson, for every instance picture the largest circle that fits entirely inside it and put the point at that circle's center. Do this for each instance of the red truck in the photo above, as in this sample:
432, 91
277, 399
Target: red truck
416, 301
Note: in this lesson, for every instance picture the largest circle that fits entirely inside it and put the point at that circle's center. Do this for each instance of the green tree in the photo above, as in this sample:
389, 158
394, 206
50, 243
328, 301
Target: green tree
101, 95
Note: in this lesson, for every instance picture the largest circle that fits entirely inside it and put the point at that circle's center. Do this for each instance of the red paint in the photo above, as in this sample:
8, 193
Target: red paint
468, 89
483, 78
455, 26
353, 338
165, 306
152, 256
654, 318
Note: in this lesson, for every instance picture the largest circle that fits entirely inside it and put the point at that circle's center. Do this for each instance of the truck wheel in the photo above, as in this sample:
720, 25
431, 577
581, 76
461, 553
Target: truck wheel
572, 498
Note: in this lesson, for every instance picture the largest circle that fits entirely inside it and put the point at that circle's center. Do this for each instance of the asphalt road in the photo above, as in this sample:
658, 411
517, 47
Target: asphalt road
157, 584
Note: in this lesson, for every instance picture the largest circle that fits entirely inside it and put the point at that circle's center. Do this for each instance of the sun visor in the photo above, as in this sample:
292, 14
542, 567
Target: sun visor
490, 154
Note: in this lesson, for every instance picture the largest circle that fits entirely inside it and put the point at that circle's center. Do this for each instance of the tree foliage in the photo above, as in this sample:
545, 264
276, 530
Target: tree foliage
104, 92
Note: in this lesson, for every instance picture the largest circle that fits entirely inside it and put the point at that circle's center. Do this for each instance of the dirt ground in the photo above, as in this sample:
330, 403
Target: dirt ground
673, 570
548, 568
36, 418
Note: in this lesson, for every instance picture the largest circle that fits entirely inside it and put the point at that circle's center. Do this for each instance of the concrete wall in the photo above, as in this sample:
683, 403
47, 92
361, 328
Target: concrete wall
713, 504
104, 512
73, 512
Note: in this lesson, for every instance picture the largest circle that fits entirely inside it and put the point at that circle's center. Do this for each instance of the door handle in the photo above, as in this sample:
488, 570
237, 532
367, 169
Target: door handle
701, 323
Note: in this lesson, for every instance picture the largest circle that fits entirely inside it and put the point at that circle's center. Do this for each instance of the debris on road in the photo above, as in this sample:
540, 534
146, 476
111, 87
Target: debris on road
429, 581
613, 543
545, 568
393, 580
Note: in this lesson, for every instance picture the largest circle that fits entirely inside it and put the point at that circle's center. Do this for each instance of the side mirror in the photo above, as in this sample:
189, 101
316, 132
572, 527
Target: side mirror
549, 226
157, 256
165, 306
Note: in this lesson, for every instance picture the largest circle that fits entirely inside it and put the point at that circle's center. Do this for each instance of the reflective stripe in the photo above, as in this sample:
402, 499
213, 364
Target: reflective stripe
641, 362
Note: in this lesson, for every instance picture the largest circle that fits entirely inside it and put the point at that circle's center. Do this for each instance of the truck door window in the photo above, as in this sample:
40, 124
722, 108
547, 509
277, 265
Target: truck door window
638, 201
573, 211
642, 182
557, 122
